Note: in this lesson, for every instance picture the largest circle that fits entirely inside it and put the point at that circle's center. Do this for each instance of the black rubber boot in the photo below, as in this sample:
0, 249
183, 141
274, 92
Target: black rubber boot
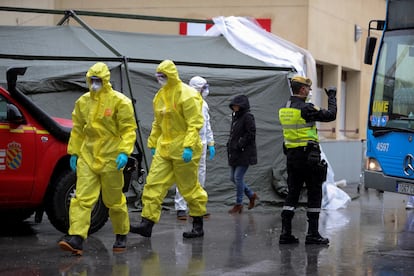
313, 236
72, 243
144, 228
197, 230
286, 236
316, 239
120, 243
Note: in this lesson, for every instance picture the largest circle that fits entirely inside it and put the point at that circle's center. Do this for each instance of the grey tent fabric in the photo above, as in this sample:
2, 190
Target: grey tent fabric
77, 42
56, 84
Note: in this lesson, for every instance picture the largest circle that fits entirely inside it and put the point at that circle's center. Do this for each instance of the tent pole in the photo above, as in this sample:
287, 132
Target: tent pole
110, 14
125, 62
140, 142
64, 18
93, 33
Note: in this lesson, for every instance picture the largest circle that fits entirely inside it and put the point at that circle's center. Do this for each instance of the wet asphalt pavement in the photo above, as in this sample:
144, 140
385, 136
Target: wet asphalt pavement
374, 235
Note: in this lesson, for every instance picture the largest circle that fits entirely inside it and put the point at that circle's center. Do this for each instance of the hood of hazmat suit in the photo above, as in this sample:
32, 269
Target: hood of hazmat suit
206, 133
197, 82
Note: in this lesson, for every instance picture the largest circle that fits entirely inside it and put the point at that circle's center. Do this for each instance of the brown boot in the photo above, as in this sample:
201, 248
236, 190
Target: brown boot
72, 243
237, 209
252, 200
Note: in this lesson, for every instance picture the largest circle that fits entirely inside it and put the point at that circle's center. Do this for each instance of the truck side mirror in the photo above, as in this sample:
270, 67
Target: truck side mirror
14, 115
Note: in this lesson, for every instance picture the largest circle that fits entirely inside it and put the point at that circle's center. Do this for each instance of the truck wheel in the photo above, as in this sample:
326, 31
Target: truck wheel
58, 201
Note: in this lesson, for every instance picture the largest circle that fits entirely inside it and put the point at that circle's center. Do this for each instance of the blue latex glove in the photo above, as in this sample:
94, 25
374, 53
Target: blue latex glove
187, 155
121, 160
152, 151
72, 162
212, 150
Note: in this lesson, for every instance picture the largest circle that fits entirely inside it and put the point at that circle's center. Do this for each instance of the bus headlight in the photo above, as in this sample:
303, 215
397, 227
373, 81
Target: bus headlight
372, 165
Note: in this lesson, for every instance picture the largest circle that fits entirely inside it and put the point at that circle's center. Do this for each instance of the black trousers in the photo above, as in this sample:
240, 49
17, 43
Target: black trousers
300, 173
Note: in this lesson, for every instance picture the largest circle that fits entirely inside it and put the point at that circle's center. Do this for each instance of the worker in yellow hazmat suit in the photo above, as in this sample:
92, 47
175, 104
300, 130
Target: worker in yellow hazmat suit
176, 147
102, 138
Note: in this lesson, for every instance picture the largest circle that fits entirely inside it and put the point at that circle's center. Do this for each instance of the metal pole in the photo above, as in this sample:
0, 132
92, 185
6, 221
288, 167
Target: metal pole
110, 14
125, 62
95, 34
140, 143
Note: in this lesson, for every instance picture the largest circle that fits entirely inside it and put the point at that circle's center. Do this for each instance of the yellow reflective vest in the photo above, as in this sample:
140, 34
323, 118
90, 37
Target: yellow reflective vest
296, 131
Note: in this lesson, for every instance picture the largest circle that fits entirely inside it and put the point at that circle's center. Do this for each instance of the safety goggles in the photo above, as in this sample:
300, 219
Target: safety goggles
95, 79
205, 87
160, 75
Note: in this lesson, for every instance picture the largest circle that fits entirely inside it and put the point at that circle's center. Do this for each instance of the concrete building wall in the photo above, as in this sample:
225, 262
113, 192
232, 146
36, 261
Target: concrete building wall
281, 12
332, 43
27, 19
341, 156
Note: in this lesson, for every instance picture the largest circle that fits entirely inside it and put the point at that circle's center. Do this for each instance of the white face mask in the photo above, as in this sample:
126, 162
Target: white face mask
309, 97
162, 80
95, 86
205, 93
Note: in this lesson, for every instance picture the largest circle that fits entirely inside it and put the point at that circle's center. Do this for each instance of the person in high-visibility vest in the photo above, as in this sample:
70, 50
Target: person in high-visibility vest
304, 165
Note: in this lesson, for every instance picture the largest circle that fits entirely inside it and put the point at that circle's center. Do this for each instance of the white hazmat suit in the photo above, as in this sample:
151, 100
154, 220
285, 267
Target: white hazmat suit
206, 136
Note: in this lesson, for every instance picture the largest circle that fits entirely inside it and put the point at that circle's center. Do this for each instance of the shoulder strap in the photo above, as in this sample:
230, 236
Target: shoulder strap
288, 104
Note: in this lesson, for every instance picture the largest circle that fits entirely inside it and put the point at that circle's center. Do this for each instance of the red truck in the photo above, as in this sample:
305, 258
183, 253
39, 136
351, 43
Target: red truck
35, 176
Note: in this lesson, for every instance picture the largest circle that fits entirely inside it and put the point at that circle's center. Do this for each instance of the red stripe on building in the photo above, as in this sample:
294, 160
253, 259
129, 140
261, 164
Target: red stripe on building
186, 28
183, 28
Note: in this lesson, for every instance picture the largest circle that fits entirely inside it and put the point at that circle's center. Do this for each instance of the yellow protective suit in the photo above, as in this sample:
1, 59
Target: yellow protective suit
103, 127
177, 122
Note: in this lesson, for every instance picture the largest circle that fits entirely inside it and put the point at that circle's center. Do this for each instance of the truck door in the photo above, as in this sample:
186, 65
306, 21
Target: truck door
17, 155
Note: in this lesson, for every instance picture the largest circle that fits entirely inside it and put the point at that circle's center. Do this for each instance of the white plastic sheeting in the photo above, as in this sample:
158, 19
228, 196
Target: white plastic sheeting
333, 198
248, 37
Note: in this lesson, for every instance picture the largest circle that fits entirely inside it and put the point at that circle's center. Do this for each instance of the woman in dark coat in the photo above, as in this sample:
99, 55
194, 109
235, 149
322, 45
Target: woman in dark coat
241, 150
